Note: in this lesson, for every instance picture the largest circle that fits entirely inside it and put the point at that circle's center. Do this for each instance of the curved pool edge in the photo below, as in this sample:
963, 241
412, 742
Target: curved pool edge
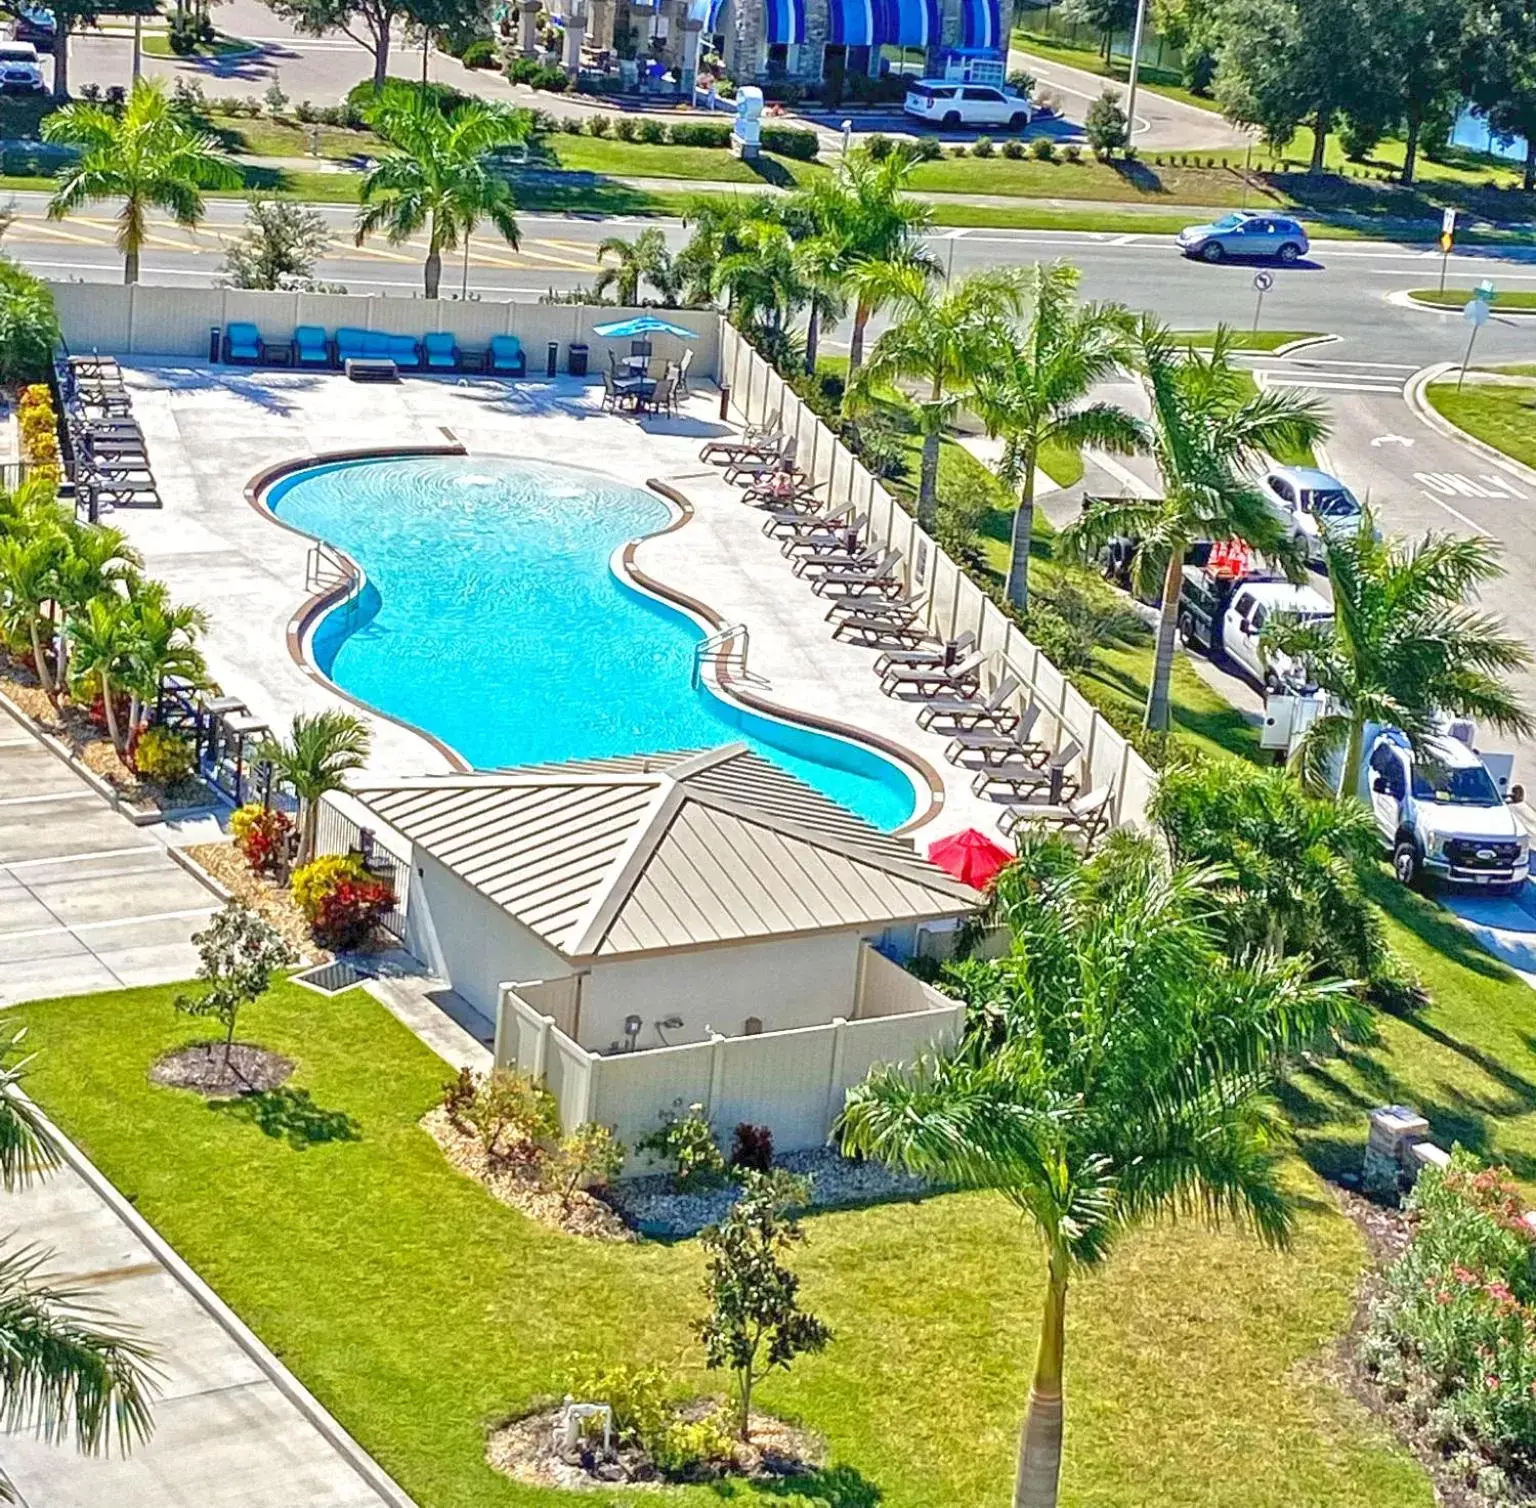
315, 609
924, 779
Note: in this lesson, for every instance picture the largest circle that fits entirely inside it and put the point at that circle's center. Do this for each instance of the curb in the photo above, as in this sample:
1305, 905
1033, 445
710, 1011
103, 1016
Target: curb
1413, 393
1404, 299
383, 1485
1294, 346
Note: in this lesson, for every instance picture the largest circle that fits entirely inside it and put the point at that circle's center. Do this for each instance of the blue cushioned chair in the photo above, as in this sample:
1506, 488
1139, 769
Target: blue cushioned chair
507, 357
441, 351
242, 343
349, 344
310, 347
404, 351
376, 345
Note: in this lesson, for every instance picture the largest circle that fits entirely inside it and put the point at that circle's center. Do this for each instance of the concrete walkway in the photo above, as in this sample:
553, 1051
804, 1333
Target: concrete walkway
232, 1427
88, 901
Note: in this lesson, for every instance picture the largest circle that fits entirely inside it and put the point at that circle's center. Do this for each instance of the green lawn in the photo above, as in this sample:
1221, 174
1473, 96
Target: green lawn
634, 159
1502, 416
1247, 340
420, 1310
156, 44
1456, 298
1056, 49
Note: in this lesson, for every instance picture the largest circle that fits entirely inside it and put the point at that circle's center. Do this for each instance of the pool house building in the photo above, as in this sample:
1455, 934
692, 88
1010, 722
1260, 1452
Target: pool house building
696, 927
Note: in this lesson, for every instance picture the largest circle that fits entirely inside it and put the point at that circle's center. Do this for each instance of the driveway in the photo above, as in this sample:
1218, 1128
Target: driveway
87, 900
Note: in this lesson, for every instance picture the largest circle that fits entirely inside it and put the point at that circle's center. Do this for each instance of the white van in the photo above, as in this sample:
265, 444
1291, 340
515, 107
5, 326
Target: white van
20, 70
947, 102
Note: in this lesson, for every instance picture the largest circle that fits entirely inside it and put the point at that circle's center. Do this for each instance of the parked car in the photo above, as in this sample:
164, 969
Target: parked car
1312, 504
1228, 614
34, 25
945, 102
1441, 815
20, 71
1245, 237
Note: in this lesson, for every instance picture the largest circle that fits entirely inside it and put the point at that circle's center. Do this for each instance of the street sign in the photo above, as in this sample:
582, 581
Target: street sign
1448, 223
1475, 312
1446, 242
1263, 281
1483, 293
1447, 239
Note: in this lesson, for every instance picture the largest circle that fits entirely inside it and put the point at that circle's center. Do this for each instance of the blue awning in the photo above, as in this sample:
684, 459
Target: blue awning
907, 23
981, 25
712, 17
851, 23
786, 22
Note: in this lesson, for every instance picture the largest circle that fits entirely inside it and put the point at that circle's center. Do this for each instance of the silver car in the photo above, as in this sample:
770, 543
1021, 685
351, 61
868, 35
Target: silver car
1241, 236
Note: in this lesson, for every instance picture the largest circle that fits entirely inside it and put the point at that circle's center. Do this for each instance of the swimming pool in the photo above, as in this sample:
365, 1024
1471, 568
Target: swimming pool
491, 619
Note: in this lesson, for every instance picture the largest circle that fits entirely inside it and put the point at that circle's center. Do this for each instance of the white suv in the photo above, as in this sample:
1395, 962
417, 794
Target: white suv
20, 71
946, 102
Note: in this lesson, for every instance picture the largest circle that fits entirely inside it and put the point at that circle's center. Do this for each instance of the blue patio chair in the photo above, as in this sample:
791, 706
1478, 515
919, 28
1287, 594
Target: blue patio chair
441, 351
404, 351
376, 345
349, 344
507, 356
310, 347
242, 343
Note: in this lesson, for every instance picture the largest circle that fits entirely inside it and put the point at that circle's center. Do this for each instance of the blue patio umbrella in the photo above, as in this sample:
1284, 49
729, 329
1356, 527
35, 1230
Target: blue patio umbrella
642, 324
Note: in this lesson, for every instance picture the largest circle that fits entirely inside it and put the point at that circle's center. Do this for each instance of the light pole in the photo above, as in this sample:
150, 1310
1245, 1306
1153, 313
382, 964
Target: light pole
138, 42
1130, 94
847, 135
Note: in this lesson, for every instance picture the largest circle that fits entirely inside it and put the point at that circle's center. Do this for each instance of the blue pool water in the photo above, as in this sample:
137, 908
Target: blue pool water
491, 619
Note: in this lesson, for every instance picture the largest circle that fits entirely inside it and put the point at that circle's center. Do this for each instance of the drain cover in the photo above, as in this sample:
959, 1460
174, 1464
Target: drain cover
331, 978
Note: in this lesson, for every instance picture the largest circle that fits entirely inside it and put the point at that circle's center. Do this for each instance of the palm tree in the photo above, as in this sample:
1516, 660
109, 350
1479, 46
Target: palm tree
1208, 429
325, 747
148, 156
1113, 1073
942, 338
28, 584
97, 559
107, 641
714, 221
1403, 647
165, 644
1032, 394
762, 278
63, 1373
436, 176
643, 260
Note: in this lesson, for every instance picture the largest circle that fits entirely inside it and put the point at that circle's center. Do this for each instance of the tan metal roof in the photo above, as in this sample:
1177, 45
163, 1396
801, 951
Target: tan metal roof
609, 856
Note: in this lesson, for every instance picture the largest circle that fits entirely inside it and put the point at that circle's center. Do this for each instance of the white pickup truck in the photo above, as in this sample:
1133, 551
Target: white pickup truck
1442, 813
1218, 613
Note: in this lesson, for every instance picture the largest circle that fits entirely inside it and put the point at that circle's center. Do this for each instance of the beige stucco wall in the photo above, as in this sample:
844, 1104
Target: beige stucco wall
787, 982
470, 941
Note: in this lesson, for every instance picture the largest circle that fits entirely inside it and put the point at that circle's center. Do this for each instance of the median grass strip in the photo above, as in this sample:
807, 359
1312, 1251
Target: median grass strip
156, 44
1459, 298
1247, 340
1500, 414
421, 1311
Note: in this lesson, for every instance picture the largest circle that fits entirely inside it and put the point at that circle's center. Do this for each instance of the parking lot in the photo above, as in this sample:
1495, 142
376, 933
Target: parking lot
87, 900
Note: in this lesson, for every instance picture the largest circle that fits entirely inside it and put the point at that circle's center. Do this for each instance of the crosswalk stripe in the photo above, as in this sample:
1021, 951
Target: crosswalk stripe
1341, 384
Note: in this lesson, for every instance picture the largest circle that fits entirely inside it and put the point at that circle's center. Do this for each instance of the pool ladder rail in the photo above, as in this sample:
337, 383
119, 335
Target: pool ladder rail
712, 646
327, 570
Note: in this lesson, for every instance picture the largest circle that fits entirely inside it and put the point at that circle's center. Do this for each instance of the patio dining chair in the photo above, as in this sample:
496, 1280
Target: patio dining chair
682, 372
663, 396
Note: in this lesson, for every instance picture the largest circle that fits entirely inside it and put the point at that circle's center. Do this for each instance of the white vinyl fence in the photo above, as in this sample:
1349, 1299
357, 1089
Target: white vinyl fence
952, 600
145, 319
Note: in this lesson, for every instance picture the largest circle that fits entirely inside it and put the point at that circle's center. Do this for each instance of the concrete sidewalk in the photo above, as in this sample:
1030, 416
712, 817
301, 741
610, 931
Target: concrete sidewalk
232, 1427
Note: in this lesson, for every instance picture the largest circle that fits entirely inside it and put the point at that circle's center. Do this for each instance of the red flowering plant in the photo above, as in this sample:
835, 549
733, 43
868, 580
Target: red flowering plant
348, 915
262, 834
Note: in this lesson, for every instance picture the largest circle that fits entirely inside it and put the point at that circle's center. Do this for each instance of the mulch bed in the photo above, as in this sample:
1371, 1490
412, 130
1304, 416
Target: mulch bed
524, 1449
586, 1215
201, 1067
271, 901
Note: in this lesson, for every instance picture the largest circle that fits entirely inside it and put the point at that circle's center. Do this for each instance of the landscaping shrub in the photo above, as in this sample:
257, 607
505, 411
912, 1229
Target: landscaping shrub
1013, 148
1043, 149
262, 836
589, 1157
305, 113
481, 53
1021, 82
687, 1142
1105, 125
926, 149
645, 1415
652, 132
29, 326
511, 1115
983, 147
752, 1147
341, 901
626, 128
39, 431
791, 141
571, 125
405, 92
1456, 1323
1073, 151
700, 133
598, 124
879, 146
958, 152
163, 755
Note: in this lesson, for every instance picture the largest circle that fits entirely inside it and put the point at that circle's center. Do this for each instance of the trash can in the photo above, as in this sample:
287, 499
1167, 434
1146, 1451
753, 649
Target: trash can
552, 359
576, 363
215, 344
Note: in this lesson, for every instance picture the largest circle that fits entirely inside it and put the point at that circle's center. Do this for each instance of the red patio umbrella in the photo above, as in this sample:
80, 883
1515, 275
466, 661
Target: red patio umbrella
972, 857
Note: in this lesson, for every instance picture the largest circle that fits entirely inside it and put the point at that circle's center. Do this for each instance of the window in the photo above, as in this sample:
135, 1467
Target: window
1283, 489
778, 59
1445, 785
991, 96
1331, 504
858, 61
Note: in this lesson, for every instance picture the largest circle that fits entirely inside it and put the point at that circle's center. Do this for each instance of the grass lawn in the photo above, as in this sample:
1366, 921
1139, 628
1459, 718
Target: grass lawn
156, 44
633, 159
419, 1309
1247, 340
1055, 49
1456, 298
1504, 417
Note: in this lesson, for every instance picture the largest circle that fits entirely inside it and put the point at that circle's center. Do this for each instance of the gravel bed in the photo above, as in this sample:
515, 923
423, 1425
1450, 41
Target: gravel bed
650, 1206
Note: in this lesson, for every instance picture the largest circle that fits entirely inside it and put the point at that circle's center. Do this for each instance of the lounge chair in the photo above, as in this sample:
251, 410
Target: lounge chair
753, 437
934, 653
839, 539
311, 348
1020, 779
1087, 814
755, 467
440, 351
882, 633
242, 344
883, 578
963, 677
959, 713
506, 357
846, 564
989, 746
784, 523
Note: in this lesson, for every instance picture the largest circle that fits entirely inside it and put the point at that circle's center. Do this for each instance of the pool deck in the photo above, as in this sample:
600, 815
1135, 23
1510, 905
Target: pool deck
211, 430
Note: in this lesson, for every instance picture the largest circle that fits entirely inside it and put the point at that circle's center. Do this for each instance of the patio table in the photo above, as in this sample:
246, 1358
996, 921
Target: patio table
277, 352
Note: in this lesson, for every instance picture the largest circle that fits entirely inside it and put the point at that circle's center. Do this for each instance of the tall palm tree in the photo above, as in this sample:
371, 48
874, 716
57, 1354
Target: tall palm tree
714, 221
435, 175
323, 749
762, 277
62, 1372
942, 338
149, 156
1403, 647
1113, 1073
643, 260
1032, 394
1207, 431
106, 642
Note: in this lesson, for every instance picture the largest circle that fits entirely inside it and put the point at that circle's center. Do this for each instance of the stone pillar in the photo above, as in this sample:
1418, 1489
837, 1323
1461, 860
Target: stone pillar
1395, 1130
693, 38
528, 34
575, 35
602, 23
672, 49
